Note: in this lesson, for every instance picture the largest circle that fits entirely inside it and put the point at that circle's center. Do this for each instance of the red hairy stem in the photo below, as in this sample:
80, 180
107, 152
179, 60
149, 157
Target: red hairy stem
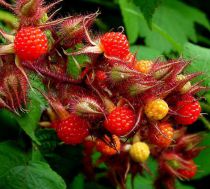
7, 5
55, 76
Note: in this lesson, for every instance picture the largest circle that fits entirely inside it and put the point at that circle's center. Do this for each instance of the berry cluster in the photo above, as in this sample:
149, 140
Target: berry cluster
120, 106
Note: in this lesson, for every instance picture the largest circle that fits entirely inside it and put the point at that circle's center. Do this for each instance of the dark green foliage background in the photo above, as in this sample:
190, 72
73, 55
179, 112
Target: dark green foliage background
33, 158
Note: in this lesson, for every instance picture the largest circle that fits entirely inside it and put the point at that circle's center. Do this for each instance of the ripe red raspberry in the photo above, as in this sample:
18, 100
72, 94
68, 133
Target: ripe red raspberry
188, 110
161, 136
30, 43
72, 130
105, 148
189, 171
120, 121
114, 44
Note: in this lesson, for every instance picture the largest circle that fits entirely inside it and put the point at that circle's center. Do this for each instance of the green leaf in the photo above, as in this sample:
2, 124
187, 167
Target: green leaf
172, 26
203, 160
179, 185
147, 180
75, 63
139, 182
148, 8
170, 30
191, 13
10, 156
37, 83
153, 167
160, 37
131, 21
95, 157
48, 139
94, 185
36, 154
145, 52
177, 20
35, 175
8, 18
200, 57
207, 96
68, 158
78, 182
29, 121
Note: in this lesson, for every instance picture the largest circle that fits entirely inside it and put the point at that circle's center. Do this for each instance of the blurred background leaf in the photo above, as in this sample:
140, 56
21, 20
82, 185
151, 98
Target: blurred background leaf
200, 57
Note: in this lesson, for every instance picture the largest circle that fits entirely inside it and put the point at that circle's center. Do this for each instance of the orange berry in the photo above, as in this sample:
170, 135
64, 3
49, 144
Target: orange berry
143, 66
105, 148
161, 136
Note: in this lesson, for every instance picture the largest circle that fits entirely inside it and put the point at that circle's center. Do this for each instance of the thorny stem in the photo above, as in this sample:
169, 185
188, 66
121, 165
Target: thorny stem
56, 76
52, 23
53, 14
19, 66
205, 122
53, 4
7, 5
8, 37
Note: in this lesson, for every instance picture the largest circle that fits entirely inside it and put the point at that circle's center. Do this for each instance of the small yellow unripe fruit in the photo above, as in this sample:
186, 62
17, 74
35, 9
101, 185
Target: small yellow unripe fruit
143, 66
156, 109
186, 87
139, 152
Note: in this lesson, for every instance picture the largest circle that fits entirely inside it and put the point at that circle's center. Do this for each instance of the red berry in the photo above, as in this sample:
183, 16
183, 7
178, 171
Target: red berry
54, 124
30, 43
108, 147
72, 130
120, 121
115, 44
101, 78
189, 171
188, 110
101, 75
162, 135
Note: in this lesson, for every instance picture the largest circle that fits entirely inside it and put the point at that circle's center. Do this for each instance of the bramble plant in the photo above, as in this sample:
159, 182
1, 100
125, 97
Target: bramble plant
130, 110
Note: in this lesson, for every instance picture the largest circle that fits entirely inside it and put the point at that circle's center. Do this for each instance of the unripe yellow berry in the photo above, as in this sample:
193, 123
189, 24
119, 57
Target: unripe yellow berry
143, 66
156, 109
139, 152
186, 87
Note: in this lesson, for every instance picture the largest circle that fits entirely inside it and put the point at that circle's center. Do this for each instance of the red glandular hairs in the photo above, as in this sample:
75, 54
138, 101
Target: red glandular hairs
114, 93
